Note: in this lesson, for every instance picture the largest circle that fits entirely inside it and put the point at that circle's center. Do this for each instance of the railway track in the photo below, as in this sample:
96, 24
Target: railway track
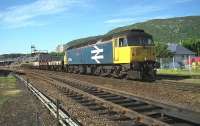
123, 108
181, 86
189, 87
102, 107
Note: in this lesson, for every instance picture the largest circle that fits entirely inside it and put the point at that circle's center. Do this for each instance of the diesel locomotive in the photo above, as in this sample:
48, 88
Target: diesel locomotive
128, 54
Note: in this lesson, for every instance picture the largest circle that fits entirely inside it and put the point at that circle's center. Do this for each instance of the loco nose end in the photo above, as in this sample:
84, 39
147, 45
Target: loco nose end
143, 53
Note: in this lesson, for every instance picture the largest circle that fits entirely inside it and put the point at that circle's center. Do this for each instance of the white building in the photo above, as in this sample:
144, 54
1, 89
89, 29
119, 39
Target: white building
179, 52
180, 55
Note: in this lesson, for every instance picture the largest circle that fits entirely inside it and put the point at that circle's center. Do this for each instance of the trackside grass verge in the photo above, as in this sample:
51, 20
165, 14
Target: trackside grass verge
179, 72
8, 89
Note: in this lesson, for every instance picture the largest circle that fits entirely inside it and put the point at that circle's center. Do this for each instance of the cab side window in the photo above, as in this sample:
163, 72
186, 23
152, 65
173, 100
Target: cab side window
122, 42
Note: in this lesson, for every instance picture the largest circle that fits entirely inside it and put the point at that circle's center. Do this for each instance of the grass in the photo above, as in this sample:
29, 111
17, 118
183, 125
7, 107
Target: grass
7, 82
3, 99
180, 72
8, 89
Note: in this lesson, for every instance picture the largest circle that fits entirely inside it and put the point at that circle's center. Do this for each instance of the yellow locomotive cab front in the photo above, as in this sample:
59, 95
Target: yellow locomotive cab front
126, 51
143, 53
136, 53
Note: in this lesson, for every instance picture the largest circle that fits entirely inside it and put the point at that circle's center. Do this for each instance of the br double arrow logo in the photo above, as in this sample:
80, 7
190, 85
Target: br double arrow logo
97, 55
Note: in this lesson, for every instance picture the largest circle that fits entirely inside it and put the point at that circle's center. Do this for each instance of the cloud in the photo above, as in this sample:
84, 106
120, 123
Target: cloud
133, 14
118, 22
182, 1
25, 15
26, 24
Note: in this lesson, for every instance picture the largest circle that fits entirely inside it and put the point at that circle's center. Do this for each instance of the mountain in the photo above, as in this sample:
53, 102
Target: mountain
82, 40
164, 30
168, 30
11, 56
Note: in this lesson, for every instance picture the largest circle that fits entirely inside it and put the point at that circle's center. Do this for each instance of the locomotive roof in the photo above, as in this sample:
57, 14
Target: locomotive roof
94, 39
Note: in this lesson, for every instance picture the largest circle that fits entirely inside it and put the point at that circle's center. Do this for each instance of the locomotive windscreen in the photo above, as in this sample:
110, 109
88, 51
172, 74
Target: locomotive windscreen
140, 41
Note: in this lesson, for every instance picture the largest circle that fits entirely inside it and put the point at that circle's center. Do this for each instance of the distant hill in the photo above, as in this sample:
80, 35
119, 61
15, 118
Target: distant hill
82, 40
20, 55
168, 30
11, 56
163, 30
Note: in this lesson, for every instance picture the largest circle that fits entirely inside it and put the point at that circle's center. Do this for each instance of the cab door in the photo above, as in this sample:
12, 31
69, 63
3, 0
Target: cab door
115, 49
65, 59
121, 50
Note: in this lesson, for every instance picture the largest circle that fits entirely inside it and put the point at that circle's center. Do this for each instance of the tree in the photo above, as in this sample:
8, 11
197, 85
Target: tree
56, 54
162, 51
193, 45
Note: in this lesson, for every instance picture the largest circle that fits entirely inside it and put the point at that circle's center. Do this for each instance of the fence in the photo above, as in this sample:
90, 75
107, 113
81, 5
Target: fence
187, 63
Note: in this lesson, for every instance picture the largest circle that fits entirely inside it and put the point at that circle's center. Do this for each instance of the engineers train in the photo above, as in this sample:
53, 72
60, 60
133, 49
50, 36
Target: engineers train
128, 54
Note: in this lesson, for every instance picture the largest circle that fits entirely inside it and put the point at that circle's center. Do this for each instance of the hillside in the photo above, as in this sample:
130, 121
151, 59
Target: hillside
12, 56
168, 30
82, 40
163, 30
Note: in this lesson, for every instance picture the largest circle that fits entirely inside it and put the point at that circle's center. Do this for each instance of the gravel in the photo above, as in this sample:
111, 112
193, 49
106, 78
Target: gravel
82, 114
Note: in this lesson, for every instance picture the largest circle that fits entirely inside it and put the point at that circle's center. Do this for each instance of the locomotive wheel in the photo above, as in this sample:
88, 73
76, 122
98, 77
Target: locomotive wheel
149, 76
152, 75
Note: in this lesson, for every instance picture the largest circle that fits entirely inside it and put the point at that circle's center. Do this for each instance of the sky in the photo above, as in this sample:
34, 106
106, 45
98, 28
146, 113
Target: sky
47, 23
